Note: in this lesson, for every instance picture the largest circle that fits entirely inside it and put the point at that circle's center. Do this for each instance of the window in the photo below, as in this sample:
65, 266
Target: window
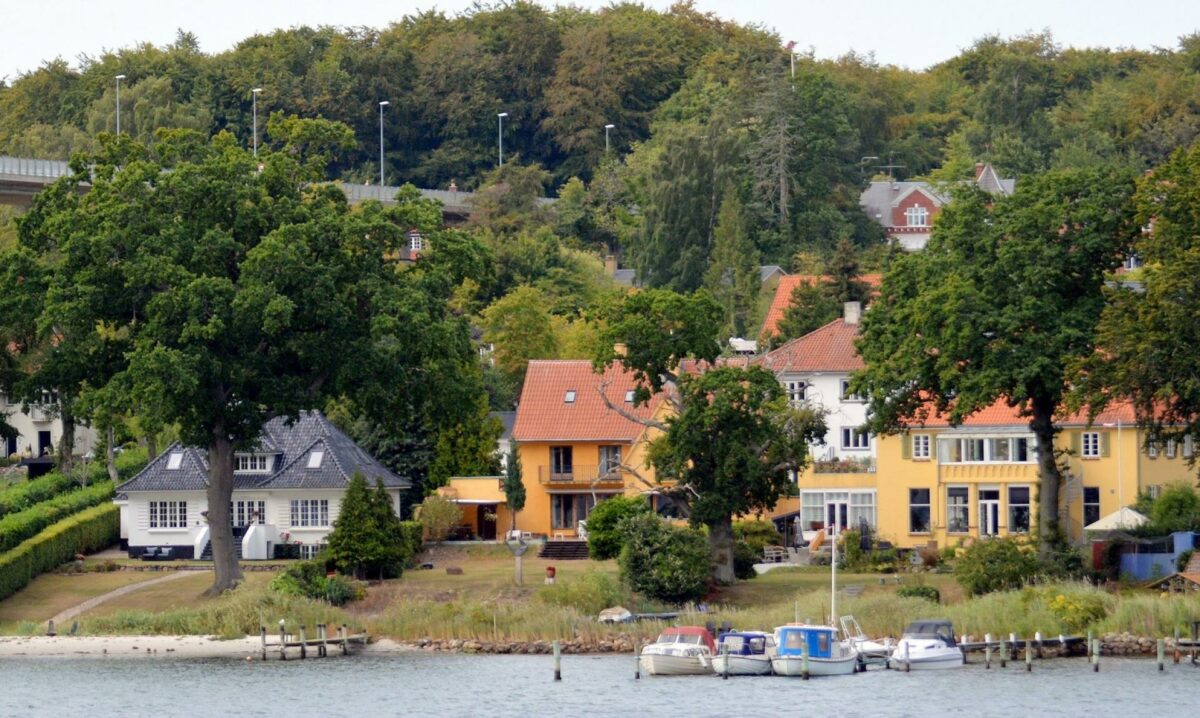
920, 446
610, 460
562, 463
244, 513
984, 450
310, 550
916, 216
852, 507
253, 463
415, 242
848, 395
1091, 505
315, 458
567, 510
1091, 444
918, 511
1132, 261
629, 397
175, 460
310, 512
1152, 450
1189, 447
168, 514
797, 391
1154, 490
569, 398
855, 439
958, 510
1018, 509
862, 509
1170, 448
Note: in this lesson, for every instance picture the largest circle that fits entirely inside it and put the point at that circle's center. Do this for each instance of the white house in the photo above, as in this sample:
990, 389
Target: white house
40, 429
287, 490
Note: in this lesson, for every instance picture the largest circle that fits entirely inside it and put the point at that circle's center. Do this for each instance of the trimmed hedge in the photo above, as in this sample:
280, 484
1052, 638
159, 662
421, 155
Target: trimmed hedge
19, 497
413, 535
92, 530
17, 527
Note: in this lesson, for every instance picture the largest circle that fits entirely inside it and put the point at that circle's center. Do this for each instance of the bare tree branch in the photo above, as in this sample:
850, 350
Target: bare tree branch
603, 385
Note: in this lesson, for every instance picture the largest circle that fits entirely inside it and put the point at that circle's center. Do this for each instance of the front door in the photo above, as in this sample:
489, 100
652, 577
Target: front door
837, 516
989, 512
44, 444
485, 519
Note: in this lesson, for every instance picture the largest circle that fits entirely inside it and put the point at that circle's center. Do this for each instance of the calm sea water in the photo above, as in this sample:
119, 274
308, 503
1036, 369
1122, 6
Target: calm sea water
457, 685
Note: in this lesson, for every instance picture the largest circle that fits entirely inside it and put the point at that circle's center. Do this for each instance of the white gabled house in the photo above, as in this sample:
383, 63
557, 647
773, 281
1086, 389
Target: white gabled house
287, 490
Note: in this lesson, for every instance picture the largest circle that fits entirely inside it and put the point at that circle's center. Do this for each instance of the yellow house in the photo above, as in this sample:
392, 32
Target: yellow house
580, 440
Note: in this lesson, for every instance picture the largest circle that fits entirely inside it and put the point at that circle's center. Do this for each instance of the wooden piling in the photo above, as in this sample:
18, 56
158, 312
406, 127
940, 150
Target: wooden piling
1028, 656
1089, 645
907, 660
1096, 655
1176, 651
50, 628
804, 659
1162, 649
282, 642
323, 649
1037, 636
987, 650
345, 634
1003, 653
557, 661
1016, 647
262, 634
303, 644
637, 660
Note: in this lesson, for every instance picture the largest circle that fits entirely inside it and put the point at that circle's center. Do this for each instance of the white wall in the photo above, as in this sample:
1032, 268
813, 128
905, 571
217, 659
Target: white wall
28, 425
824, 392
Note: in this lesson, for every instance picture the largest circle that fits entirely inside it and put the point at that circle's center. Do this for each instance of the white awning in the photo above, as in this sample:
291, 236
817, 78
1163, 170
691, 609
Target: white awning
478, 502
1123, 518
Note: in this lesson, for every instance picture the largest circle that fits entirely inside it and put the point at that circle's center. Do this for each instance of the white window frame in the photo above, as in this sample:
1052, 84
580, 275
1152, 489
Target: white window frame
847, 395
1027, 503
168, 515
240, 510
1090, 445
965, 506
797, 392
855, 439
416, 242
315, 458
310, 513
252, 464
1170, 450
1189, 446
569, 396
916, 216
310, 550
952, 449
928, 506
175, 461
920, 447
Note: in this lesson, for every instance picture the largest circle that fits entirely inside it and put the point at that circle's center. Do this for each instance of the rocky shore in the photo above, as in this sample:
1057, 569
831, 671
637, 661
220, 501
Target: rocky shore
618, 644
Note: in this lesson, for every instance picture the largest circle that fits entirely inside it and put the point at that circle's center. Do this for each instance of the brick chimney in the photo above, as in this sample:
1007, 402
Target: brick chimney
979, 167
852, 312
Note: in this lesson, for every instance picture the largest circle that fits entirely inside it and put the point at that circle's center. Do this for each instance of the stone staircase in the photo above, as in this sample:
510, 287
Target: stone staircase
567, 550
206, 554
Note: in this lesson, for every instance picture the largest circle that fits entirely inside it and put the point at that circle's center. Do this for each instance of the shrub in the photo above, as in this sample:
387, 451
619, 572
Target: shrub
438, 515
24, 495
1078, 609
16, 527
589, 594
1177, 508
929, 593
604, 536
757, 534
87, 531
664, 562
412, 533
997, 564
744, 558
850, 549
308, 579
1183, 560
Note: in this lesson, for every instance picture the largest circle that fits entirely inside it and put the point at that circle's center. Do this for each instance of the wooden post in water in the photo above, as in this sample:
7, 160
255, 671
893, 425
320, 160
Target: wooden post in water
324, 649
637, 660
282, 641
1095, 655
303, 644
1162, 649
557, 661
1028, 656
725, 666
1016, 647
804, 658
345, 639
987, 650
1089, 645
1176, 651
907, 660
1003, 653
1038, 637
262, 634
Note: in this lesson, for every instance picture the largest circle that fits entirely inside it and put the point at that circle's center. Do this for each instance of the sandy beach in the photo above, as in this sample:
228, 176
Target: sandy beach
150, 647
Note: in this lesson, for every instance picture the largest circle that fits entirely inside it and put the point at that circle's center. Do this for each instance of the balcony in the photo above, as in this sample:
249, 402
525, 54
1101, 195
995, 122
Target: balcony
864, 465
580, 475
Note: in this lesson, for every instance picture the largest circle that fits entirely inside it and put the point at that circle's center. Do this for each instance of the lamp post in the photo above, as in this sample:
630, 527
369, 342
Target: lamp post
606, 129
254, 101
500, 135
119, 78
382, 104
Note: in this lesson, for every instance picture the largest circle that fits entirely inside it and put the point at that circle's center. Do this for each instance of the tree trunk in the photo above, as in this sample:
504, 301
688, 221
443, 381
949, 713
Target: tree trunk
720, 541
66, 444
110, 454
151, 447
227, 572
1049, 477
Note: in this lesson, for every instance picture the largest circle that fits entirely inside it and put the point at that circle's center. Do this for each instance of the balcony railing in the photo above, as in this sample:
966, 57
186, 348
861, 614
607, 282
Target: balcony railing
580, 474
845, 466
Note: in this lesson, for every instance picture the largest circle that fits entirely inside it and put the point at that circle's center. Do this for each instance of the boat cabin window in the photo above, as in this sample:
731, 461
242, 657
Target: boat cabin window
679, 638
823, 643
793, 639
735, 643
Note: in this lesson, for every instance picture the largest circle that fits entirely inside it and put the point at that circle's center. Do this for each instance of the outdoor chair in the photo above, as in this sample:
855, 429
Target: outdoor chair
150, 554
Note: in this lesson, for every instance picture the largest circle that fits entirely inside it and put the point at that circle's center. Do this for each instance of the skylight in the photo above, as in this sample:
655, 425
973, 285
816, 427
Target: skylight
570, 397
175, 460
314, 459
629, 397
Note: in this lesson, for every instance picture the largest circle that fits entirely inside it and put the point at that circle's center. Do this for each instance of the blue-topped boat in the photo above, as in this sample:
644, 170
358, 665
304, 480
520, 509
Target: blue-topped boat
815, 650
743, 653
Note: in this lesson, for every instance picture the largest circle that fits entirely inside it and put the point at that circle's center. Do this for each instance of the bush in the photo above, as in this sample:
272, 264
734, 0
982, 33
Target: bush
929, 593
1177, 508
850, 551
757, 534
589, 594
1077, 609
308, 579
19, 497
16, 527
88, 531
997, 564
664, 562
412, 535
438, 515
1183, 560
604, 536
744, 558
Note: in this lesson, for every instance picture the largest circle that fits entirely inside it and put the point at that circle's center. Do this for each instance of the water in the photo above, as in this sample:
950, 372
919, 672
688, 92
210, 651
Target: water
458, 685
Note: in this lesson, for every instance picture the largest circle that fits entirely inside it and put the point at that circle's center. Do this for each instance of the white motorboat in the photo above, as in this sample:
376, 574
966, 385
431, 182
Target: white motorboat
871, 651
815, 650
746, 653
679, 651
926, 645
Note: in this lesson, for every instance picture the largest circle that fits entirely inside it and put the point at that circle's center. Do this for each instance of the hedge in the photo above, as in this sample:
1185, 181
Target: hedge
17, 527
19, 497
92, 530
413, 535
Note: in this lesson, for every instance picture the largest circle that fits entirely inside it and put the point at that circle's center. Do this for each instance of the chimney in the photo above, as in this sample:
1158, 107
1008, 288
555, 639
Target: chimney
852, 312
619, 349
979, 167
610, 264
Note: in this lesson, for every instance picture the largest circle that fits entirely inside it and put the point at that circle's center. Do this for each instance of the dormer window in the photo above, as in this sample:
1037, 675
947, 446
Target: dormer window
174, 461
253, 463
315, 458
569, 398
916, 216
415, 242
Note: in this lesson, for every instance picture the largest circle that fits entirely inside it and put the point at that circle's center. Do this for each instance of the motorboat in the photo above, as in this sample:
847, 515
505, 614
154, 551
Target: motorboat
870, 651
743, 653
679, 651
926, 645
812, 650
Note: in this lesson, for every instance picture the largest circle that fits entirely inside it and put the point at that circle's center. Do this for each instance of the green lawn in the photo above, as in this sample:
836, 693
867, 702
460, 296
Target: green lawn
52, 593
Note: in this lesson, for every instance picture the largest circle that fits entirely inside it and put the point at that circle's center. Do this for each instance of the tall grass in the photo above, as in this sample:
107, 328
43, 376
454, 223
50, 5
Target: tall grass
1148, 614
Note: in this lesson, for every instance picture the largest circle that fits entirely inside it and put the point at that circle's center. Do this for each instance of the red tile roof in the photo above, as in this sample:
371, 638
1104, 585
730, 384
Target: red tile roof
1001, 414
783, 296
544, 415
829, 348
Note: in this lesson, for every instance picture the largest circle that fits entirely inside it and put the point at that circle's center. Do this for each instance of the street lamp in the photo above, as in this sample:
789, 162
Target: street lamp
500, 135
382, 105
254, 95
119, 78
606, 129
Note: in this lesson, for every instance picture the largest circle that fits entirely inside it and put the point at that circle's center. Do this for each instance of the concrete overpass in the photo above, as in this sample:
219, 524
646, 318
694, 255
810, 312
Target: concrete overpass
21, 178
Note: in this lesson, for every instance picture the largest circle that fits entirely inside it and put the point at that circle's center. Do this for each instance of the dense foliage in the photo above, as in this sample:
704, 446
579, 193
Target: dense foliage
664, 562
605, 537
308, 579
18, 526
998, 564
92, 530
367, 539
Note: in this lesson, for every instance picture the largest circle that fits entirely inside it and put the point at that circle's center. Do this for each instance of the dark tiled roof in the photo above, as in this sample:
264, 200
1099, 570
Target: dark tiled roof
507, 419
290, 447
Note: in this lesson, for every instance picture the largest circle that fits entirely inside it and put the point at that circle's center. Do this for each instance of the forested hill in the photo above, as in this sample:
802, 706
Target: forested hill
703, 110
